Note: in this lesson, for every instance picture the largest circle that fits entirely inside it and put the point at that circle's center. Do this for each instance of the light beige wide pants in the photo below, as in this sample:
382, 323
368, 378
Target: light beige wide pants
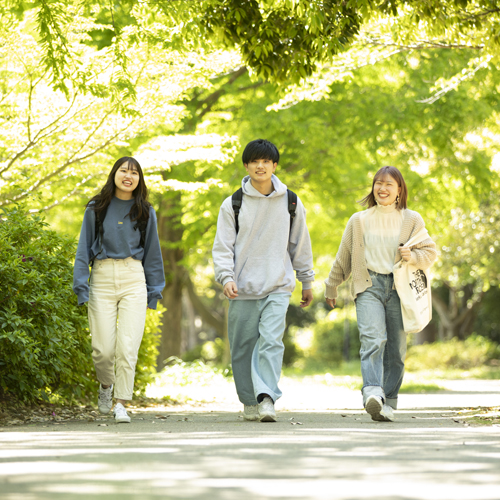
117, 314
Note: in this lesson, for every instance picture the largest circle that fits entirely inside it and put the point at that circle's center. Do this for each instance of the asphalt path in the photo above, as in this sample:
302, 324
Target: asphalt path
330, 450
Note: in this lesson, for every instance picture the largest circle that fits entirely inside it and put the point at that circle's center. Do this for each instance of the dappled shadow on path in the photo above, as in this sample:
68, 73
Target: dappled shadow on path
215, 455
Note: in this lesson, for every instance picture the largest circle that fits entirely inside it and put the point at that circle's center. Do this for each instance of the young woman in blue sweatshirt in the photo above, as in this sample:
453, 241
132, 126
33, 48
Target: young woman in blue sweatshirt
127, 278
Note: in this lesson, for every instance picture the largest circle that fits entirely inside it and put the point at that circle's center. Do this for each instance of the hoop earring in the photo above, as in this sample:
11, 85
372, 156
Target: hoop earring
397, 198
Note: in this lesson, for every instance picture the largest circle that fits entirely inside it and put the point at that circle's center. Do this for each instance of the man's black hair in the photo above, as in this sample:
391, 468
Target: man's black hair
260, 149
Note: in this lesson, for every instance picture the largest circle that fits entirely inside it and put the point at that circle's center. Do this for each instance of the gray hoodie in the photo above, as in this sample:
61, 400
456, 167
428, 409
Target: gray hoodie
261, 258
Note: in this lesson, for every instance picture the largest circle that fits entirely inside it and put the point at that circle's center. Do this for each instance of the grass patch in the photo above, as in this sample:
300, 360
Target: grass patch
183, 373
479, 373
186, 382
310, 367
420, 388
469, 354
481, 416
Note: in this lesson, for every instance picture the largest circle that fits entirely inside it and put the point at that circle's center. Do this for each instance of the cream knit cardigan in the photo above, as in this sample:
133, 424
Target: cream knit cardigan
351, 255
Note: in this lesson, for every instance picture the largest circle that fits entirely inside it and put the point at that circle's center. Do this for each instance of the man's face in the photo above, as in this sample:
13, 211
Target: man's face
260, 171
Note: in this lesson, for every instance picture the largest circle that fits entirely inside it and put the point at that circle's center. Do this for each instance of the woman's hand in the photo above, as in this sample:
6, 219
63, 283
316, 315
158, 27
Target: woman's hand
405, 253
331, 302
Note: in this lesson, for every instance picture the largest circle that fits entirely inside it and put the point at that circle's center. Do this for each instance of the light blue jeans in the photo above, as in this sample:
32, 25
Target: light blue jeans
383, 339
255, 331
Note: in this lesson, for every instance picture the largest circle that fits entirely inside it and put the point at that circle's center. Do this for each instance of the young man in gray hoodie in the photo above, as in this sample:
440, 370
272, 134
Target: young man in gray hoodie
255, 265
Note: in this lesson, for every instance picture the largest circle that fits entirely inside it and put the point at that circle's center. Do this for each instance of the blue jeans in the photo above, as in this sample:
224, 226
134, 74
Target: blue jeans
255, 330
383, 339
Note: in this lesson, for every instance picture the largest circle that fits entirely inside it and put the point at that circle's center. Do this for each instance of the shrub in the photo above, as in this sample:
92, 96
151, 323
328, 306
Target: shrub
328, 340
44, 340
45, 344
148, 352
473, 352
209, 352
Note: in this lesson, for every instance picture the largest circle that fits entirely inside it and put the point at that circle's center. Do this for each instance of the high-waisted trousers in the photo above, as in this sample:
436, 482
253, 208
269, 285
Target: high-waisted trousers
117, 314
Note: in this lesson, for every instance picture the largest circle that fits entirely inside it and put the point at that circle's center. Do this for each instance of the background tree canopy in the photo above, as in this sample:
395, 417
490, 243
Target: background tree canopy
341, 88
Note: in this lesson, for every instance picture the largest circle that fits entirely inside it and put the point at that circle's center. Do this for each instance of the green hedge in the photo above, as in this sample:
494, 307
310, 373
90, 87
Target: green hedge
475, 351
328, 340
148, 353
44, 340
45, 344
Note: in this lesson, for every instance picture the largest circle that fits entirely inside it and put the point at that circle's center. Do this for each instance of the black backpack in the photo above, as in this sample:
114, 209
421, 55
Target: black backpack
237, 199
99, 229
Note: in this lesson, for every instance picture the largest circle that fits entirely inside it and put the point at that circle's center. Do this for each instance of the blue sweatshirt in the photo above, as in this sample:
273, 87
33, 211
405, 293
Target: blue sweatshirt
120, 241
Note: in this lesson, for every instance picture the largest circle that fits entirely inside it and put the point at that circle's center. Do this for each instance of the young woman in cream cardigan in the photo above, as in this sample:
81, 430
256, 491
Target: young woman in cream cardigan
371, 245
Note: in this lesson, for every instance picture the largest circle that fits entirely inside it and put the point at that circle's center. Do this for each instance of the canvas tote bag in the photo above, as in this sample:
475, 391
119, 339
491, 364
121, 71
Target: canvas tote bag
414, 289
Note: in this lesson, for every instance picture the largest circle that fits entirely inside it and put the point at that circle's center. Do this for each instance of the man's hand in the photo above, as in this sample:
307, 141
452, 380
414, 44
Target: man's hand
307, 298
331, 302
230, 290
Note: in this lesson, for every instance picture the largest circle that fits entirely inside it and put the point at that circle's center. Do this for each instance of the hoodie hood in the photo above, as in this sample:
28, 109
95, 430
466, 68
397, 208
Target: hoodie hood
249, 190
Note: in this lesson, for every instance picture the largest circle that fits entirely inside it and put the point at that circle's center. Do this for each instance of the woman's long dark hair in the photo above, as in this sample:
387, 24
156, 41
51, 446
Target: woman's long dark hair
140, 209
398, 177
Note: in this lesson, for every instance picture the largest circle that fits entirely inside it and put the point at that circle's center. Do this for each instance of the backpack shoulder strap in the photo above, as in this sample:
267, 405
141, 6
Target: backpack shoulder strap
99, 230
142, 226
292, 205
237, 199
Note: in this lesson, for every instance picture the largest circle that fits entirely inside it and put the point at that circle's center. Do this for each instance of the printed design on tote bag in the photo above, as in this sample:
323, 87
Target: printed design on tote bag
419, 283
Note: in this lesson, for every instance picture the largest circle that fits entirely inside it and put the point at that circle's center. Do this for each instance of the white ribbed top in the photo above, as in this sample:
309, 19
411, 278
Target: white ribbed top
381, 230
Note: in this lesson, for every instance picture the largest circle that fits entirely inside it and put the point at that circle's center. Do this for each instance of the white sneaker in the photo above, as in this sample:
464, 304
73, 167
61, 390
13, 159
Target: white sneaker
251, 412
387, 414
379, 411
266, 410
105, 399
374, 406
121, 415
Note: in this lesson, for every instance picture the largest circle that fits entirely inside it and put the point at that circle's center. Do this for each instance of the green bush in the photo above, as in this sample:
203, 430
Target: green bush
209, 352
473, 352
148, 353
44, 339
45, 344
328, 341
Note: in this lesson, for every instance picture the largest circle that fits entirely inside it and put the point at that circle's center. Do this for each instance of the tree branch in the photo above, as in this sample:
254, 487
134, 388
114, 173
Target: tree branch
442, 309
207, 104
37, 137
72, 192
65, 165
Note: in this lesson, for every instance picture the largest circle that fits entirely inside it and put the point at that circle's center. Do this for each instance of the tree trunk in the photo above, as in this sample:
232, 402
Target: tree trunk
456, 317
189, 333
211, 317
170, 231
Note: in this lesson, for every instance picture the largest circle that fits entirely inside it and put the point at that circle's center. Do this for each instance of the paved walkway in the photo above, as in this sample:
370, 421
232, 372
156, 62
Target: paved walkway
207, 451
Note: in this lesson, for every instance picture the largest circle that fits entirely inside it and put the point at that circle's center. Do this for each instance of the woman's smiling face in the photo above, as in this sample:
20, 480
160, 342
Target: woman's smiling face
386, 190
126, 180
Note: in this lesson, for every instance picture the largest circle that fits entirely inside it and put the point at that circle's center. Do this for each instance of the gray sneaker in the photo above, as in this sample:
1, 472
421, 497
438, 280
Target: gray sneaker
266, 410
121, 415
251, 412
105, 399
